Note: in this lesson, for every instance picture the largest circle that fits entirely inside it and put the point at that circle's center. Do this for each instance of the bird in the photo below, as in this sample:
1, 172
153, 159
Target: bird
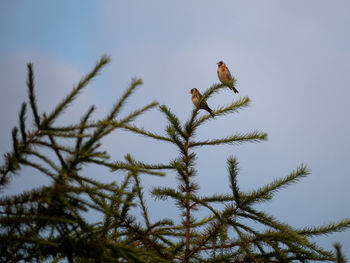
199, 102
225, 76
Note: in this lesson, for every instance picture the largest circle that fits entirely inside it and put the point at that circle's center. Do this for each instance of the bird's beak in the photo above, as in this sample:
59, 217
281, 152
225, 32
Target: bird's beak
189, 92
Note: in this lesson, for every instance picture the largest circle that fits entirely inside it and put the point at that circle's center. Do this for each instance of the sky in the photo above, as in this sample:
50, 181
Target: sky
291, 58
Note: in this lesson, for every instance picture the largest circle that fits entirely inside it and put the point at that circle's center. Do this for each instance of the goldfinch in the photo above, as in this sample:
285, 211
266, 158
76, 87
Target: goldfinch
225, 76
199, 102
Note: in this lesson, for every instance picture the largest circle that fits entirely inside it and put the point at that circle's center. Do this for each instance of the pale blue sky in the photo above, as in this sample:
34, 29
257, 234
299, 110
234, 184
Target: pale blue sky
292, 58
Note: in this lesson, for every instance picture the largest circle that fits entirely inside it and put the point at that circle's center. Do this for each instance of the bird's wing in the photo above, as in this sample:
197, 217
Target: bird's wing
228, 73
201, 100
199, 96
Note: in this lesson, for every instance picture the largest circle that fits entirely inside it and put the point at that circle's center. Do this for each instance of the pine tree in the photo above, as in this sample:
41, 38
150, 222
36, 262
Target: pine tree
49, 223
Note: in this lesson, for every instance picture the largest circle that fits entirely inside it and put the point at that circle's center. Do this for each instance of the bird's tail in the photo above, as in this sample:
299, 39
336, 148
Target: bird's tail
234, 89
210, 111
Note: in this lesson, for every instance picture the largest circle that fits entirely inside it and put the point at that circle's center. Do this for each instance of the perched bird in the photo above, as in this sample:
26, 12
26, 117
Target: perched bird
225, 76
199, 102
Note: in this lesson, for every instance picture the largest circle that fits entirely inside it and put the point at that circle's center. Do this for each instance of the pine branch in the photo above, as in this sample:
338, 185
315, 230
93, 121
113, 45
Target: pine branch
326, 229
234, 107
68, 135
147, 169
215, 88
31, 94
129, 158
234, 139
15, 143
22, 120
264, 219
128, 203
233, 172
219, 198
142, 131
141, 200
134, 84
163, 193
57, 151
266, 192
83, 122
173, 135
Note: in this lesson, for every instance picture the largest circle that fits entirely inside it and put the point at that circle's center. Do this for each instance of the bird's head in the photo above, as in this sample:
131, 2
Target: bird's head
193, 91
220, 63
